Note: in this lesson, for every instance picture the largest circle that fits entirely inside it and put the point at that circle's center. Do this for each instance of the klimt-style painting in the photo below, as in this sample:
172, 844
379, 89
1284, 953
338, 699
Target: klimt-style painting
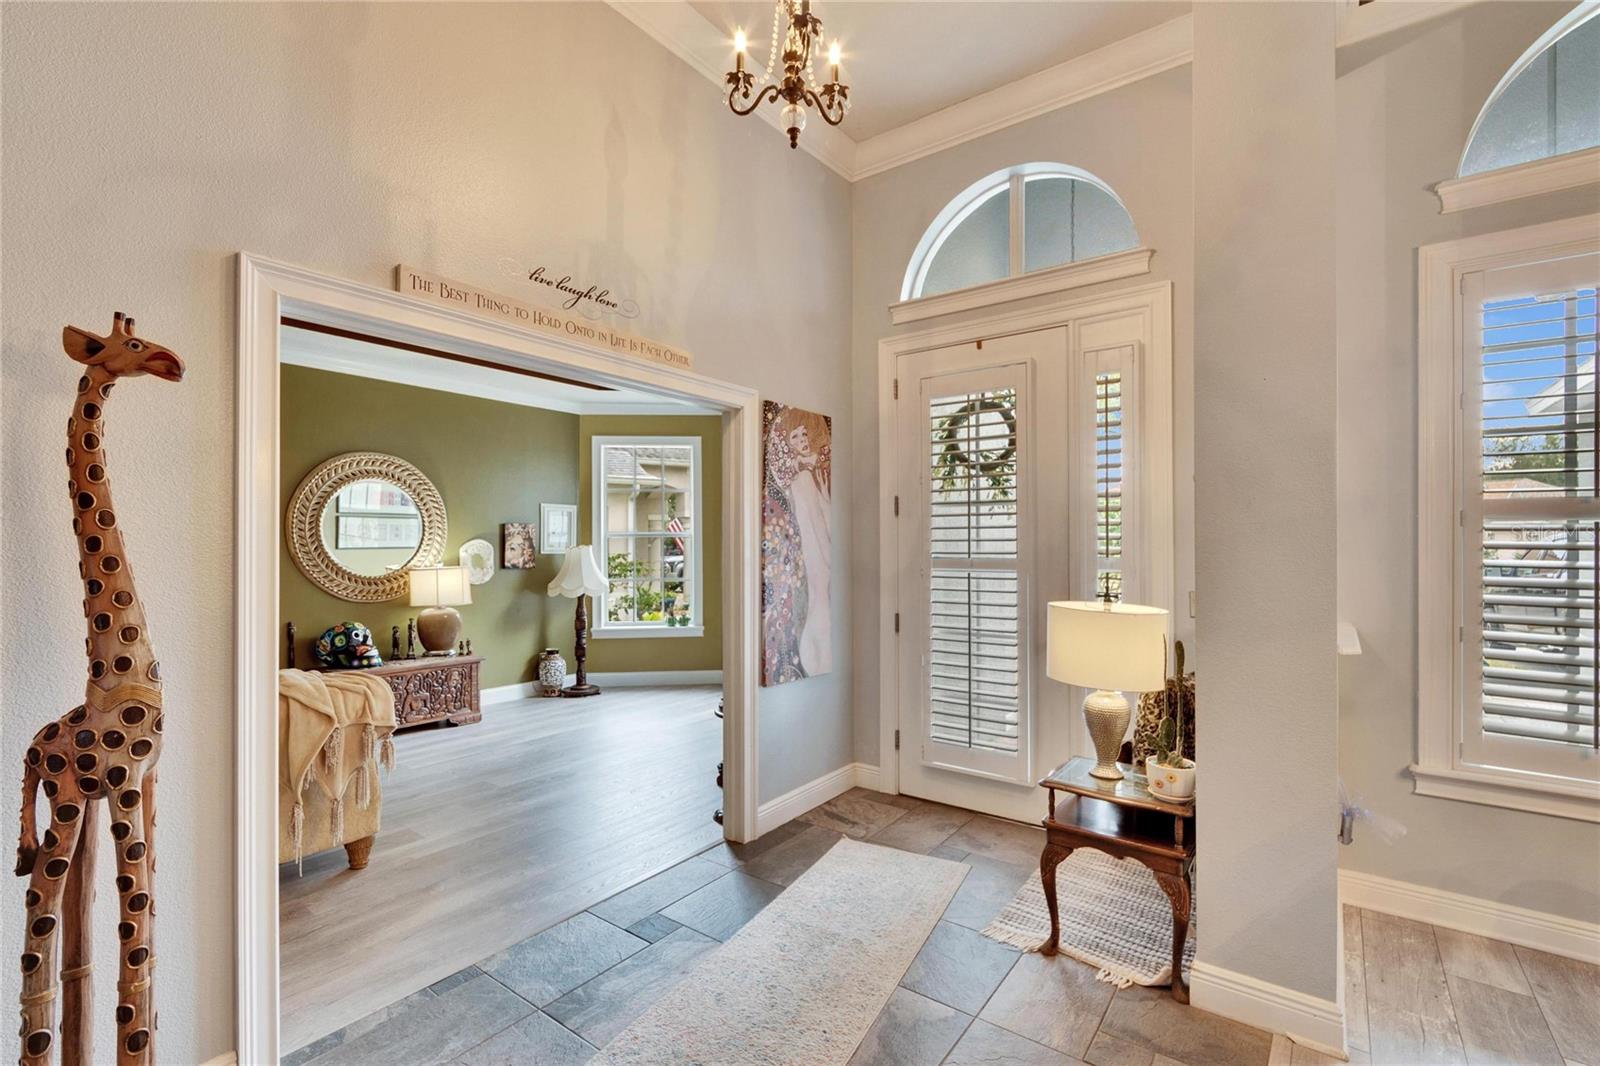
796, 544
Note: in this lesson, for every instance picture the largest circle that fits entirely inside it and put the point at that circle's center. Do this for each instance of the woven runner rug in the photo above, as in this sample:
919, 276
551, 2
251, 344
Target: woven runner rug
803, 981
1113, 916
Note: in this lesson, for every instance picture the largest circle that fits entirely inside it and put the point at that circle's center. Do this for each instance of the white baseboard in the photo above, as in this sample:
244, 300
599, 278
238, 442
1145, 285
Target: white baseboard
637, 679
227, 1058
1315, 1023
507, 693
643, 678
1499, 921
867, 777
793, 804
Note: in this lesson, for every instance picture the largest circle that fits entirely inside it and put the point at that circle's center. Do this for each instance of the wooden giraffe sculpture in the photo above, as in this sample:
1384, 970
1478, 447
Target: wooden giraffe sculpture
105, 749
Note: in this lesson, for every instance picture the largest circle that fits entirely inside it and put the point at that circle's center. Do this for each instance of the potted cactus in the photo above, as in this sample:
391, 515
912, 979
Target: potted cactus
1169, 773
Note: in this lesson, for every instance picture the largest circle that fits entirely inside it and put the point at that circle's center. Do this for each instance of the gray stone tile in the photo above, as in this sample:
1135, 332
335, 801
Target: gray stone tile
608, 1004
989, 1045
786, 862
853, 816
909, 803
721, 908
1107, 1050
959, 968
1052, 1001
922, 828
1150, 1017
735, 856
321, 1046
945, 851
1567, 991
460, 977
910, 1030
653, 928
537, 1039
549, 964
987, 888
996, 838
665, 888
1502, 1027
435, 1028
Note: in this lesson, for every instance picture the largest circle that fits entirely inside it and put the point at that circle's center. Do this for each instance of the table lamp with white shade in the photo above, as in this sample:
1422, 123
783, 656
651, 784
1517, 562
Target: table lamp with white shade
439, 590
580, 577
1111, 648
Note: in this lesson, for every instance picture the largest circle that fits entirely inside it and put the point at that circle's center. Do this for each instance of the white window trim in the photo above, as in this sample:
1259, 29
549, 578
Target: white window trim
601, 628
1440, 769
989, 293
1550, 174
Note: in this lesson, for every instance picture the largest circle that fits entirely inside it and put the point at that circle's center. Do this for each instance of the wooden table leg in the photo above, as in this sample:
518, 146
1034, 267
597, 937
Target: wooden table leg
1176, 886
1048, 861
359, 851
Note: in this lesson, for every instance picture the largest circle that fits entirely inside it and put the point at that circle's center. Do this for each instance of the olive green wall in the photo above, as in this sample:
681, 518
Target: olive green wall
492, 462
620, 654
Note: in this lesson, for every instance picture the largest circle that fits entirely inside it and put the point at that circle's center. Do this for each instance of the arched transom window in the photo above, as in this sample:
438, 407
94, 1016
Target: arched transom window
1547, 104
1016, 221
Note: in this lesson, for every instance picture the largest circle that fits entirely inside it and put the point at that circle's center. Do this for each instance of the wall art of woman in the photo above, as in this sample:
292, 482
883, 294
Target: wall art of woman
796, 544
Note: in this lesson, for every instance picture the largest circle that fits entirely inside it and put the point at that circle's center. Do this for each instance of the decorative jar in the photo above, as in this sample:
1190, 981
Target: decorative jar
552, 672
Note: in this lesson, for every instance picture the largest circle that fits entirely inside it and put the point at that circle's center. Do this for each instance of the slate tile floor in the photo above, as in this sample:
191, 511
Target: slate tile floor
554, 999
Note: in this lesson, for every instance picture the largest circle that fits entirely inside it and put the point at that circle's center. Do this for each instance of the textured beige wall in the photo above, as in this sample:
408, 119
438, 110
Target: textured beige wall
145, 144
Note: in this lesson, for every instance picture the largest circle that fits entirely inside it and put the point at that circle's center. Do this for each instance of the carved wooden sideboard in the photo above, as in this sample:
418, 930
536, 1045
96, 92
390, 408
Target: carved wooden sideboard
436, 688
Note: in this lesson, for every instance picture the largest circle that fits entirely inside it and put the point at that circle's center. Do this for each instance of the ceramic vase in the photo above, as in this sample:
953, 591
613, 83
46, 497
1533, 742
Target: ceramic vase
552, 672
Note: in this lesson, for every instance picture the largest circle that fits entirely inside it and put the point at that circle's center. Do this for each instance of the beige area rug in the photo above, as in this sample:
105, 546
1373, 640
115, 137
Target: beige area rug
802, 982
1113, 916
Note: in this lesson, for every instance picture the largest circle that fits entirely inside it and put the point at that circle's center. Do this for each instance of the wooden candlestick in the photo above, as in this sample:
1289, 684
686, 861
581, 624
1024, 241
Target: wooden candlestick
580, 651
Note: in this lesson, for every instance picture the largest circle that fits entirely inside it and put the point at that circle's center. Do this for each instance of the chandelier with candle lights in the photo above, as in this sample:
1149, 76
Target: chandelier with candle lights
796, 28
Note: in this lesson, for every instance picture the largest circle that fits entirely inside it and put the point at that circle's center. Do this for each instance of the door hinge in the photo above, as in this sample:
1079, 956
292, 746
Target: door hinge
897, 388
897, 621
897, 740
897, 507
1461, 519
1461, 634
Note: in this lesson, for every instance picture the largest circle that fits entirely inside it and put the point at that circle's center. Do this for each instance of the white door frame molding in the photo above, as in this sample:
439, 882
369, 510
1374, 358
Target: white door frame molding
266, 290
1157, 499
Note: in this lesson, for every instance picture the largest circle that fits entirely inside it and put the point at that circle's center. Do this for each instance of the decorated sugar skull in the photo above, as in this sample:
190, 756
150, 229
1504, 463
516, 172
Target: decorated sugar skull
347, 646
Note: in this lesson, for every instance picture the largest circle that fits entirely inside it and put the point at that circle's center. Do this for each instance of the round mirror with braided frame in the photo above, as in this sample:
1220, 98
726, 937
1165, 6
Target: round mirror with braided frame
303, 525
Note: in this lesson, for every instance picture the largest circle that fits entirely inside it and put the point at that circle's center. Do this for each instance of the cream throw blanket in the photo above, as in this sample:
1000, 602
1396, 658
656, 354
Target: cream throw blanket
334, 729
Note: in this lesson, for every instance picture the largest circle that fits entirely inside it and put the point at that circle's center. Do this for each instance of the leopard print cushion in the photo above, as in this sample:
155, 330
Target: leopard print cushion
1152, 708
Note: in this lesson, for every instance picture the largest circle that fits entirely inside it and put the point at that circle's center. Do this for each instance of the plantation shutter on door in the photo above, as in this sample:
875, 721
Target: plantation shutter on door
1531, 516
976, 661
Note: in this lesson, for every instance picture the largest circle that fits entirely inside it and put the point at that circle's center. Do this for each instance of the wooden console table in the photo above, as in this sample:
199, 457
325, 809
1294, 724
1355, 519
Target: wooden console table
1123, 820
435, 688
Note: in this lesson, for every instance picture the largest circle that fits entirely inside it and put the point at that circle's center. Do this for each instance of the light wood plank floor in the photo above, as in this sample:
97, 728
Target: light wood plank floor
491, 833
1417, 993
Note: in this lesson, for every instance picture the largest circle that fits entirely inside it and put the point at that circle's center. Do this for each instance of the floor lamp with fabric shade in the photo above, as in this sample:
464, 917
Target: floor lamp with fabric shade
580, 578
1111, 648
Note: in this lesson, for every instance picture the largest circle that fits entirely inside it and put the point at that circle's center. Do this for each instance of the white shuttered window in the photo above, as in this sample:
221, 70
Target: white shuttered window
1530, 519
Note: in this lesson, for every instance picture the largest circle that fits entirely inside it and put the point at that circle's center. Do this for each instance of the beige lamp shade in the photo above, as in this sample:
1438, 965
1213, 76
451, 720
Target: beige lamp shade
1119, 647
439, 586
580, 575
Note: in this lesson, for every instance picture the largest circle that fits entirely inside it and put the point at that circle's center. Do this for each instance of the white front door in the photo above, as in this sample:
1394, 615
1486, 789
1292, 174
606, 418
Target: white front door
1009, 495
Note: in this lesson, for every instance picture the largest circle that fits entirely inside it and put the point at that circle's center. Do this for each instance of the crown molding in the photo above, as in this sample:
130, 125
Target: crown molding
686, 33
1159, 48
682, 30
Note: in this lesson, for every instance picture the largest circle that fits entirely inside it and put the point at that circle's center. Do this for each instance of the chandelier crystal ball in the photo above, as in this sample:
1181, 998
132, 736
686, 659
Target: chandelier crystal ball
794, 30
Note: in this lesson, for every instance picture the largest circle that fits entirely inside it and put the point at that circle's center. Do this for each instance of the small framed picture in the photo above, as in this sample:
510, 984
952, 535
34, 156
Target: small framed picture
518, 542
559, 527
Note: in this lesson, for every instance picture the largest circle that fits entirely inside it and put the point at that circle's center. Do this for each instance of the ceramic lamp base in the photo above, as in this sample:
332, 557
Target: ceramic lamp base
1107, 715
438, 628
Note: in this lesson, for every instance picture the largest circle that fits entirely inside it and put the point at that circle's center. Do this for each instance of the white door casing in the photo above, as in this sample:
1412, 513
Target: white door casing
1091, 428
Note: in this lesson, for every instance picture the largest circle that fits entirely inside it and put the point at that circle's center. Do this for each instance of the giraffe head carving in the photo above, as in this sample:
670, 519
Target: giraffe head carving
120, 353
